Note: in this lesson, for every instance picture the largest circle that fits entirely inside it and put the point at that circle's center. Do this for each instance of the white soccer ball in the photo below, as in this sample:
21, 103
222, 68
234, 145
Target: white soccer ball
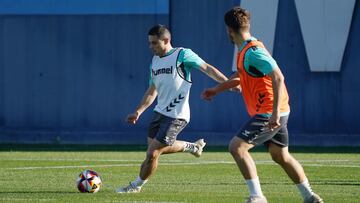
88, 181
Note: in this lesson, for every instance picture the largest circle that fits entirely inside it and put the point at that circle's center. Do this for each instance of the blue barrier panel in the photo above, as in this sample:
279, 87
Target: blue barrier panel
82, 7
74, 78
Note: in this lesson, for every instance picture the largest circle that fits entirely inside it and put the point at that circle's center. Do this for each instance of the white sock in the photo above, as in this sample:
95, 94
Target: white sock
254, 187
305, 189
139, 182
190, 147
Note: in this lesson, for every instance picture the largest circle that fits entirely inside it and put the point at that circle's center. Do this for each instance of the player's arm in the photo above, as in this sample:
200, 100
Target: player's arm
262, 60
237, 88
278, 84
212, 72
146, 101
229, 84
192, 60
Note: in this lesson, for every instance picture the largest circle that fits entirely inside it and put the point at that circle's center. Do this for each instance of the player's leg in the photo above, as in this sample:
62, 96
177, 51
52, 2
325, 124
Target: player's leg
149, 165
295, 171
278, 148
195, 148
155, 149
291, 166
253, 133
166, 129
182, 146
239, 149
162, 136
164, 141
154, 127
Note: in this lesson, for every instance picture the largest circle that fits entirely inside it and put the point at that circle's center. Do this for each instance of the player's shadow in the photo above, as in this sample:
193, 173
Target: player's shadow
351, 183
327, 182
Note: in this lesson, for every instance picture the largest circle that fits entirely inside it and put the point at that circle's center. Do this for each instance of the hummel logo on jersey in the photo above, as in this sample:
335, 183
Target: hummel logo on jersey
163, 71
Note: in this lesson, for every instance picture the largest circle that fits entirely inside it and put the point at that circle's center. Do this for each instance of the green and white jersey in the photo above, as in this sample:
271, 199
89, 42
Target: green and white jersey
171, 76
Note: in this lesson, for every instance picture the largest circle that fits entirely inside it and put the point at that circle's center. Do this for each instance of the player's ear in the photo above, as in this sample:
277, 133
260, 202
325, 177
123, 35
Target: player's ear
231, 30
166, 40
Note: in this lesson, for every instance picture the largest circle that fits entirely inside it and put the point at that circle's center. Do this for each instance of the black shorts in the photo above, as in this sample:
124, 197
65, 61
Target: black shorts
165, 129
255, 132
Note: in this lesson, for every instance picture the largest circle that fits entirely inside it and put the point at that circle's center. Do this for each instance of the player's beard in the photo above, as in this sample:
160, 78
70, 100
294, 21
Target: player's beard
155, 51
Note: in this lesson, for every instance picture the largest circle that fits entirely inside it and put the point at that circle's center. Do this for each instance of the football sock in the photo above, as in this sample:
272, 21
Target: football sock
305, 189
139, 182
254, 187
190, 147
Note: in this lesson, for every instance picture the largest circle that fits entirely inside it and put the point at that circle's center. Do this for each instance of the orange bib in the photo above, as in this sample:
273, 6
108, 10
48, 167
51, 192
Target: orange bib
257, 91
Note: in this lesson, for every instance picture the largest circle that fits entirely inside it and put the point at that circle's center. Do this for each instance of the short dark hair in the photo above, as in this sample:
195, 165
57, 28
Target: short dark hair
237, 18
160, 31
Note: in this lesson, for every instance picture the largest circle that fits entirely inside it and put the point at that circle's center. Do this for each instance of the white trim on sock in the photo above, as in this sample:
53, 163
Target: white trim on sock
305, 189
138, 182
254, 187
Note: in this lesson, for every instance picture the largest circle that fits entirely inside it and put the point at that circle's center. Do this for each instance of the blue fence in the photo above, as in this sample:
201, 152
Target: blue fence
71, 75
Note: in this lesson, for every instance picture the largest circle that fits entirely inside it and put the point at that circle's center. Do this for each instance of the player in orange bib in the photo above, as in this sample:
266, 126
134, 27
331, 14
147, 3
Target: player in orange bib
267, 102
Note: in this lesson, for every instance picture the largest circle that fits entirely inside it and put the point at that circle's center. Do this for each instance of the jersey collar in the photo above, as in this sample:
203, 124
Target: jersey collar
169, 53
245, 43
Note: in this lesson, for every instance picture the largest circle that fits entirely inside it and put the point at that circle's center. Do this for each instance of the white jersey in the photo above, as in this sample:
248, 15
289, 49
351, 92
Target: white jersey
172, 87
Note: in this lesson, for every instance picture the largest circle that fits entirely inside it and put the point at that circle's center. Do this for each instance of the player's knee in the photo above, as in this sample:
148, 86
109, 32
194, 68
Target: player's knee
277, 158
152, 155
233, 149
280, 158
237, 150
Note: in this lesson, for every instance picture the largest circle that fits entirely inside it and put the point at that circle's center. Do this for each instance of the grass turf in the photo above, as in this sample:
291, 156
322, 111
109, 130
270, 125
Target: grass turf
49, 174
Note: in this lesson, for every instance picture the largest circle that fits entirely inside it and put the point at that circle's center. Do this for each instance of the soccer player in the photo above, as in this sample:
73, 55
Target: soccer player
170, 82
266, 99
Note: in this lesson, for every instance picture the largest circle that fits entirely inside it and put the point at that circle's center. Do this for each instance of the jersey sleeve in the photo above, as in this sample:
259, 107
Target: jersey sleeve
190, 59
151, 82
260, 59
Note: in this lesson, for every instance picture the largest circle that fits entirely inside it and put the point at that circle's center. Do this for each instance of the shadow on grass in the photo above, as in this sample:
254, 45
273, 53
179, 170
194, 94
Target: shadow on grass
234, 184
338, 183
136, 148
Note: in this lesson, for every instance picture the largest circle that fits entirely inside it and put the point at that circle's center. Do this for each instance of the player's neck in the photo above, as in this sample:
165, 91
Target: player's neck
242, 38
166, 50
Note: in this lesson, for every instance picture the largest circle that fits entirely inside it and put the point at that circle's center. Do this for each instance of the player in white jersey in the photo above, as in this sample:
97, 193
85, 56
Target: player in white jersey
170, 82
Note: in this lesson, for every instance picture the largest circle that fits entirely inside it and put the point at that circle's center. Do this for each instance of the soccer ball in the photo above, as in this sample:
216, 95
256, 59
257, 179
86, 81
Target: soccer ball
88, 181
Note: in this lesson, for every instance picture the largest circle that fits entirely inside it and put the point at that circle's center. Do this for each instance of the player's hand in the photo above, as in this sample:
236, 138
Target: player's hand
207, 94
236, 89
274, 121
132, 118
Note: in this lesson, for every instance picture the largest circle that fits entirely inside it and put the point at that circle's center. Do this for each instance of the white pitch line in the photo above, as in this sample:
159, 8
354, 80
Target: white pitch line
93, 160
65, 167
140, 160
113, 165
171, 164
24, 199
329, 165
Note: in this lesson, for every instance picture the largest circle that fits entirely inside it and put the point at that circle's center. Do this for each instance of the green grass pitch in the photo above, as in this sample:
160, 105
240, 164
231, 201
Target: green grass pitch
48, 174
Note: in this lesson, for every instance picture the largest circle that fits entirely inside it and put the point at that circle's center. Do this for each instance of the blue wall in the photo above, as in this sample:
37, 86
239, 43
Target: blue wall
72, 78
323, 104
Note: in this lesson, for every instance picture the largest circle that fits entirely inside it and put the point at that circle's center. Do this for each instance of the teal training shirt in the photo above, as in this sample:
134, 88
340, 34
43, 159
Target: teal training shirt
258, 58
